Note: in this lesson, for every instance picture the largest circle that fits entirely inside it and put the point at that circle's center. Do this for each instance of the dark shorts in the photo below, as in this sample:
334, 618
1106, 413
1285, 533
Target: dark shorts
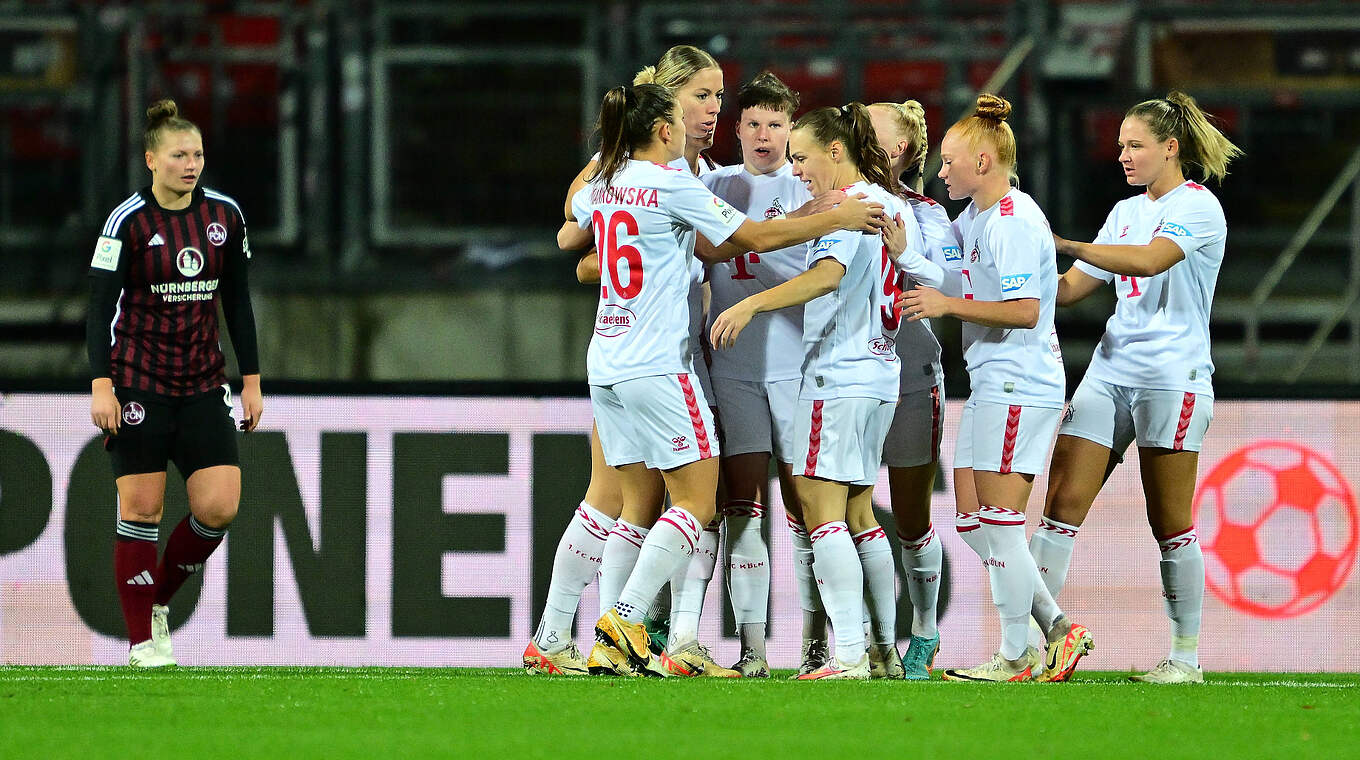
194, 432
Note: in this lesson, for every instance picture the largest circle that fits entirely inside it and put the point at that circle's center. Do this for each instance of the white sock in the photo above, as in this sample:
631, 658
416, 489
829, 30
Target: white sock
923, 561
840, 578
574, 565
1051, 546
748, 566
668, 547
661, 606
616, 562
1011, 570
1182, 568
969, 529
690, 586
880, 583
809, 597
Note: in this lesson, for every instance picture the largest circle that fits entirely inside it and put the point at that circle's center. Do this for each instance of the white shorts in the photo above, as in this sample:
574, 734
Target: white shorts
1000, 438
914, 437
663, 420
1116, 415
757, 416
841, 439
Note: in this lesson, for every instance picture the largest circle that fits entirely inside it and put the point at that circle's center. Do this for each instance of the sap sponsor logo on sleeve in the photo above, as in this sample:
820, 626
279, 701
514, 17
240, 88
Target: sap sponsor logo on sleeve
1013, 282
1171, 228
824, 245
106, 252
952, 253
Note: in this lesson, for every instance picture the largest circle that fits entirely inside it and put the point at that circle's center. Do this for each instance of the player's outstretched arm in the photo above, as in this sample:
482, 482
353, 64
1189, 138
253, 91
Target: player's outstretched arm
927, 303
1130, 260
856, 214
824, 276
824, 202
1075, 285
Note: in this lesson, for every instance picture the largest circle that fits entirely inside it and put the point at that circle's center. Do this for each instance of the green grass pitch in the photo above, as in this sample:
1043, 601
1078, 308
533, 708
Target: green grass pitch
97, 712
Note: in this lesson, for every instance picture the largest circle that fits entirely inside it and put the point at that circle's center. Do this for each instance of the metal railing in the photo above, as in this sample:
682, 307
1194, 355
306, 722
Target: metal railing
1347, 178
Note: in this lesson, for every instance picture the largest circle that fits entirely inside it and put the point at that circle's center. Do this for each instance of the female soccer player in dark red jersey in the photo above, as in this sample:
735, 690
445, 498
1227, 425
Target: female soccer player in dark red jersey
159, 389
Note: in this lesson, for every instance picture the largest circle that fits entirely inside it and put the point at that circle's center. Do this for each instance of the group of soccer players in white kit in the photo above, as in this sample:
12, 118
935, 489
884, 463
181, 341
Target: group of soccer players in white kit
817, 342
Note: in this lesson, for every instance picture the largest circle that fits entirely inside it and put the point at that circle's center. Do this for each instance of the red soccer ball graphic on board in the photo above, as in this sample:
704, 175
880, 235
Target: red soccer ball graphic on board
1279, 527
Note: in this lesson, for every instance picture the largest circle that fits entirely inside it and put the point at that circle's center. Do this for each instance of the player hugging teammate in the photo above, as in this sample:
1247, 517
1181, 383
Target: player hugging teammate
822, 359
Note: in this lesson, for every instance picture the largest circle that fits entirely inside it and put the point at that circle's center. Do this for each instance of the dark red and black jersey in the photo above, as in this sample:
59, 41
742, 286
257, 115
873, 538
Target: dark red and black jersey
161, 271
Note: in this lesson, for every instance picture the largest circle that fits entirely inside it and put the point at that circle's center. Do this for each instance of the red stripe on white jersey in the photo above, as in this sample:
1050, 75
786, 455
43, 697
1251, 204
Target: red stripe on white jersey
1012, 432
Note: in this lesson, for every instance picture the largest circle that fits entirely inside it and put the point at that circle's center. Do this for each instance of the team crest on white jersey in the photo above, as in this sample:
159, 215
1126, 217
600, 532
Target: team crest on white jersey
217, 234
614, 320
775, 210
189, 261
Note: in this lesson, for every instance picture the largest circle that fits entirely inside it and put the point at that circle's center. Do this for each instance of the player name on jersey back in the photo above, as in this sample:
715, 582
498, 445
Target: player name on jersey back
644, 223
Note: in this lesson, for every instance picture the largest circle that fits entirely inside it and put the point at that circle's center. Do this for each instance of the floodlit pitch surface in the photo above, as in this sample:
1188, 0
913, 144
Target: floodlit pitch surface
96, 712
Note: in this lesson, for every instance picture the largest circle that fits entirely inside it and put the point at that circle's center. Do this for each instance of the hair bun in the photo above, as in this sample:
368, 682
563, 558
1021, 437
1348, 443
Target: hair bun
912, 108
646, 76
991, 106
161, 110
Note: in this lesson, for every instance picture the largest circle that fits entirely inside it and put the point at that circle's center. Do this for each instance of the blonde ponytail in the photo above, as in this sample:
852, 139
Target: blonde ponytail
1201, 144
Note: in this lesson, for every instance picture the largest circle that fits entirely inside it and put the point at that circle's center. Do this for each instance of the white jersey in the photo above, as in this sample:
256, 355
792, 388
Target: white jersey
849, 333
771, 347
1158, 336
1010, 255
917, 346
696, 290
644, 226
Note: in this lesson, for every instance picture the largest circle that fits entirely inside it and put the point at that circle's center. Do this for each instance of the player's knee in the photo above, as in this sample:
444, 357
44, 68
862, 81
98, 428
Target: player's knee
1066, 503
217, 515
143, 513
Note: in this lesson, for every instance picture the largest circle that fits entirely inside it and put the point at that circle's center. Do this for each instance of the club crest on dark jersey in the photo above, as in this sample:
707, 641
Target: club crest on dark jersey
217, 234
189, 261
133, 413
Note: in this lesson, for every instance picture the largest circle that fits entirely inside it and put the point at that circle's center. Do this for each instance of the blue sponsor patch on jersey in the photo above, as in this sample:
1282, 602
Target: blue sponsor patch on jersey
824, 245
952, 253
1013, 282
1171, 228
